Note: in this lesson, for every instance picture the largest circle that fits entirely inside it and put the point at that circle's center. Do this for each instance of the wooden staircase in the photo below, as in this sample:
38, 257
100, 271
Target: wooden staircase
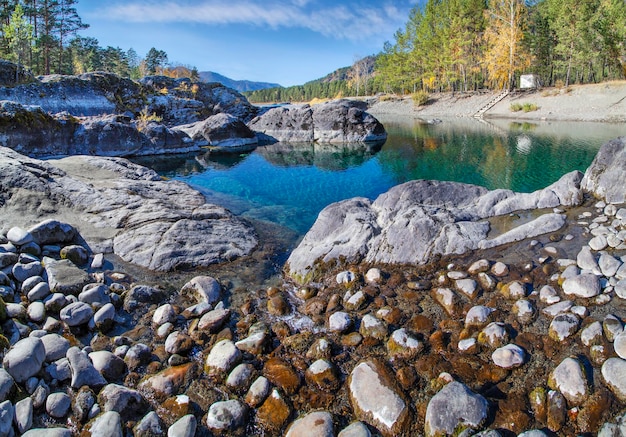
497, 98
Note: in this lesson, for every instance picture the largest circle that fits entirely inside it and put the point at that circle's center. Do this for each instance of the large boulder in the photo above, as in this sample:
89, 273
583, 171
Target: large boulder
123, 208
222, 133
605, 178
339, 121
419, 219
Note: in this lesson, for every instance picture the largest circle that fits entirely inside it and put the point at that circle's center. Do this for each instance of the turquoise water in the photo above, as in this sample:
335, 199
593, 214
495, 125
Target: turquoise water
289, 184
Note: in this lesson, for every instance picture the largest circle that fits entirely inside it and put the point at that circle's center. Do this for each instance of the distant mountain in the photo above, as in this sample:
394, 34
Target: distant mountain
239, 85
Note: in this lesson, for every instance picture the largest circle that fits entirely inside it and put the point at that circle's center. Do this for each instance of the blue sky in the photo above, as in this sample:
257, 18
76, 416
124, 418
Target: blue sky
284, 41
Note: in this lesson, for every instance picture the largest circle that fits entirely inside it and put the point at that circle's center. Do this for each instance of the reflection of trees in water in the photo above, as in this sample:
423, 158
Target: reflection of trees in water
171, 165
334, 157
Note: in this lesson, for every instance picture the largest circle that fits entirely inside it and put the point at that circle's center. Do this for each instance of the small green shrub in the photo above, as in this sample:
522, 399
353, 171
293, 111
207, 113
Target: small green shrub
529, 107
420, 98
515, 107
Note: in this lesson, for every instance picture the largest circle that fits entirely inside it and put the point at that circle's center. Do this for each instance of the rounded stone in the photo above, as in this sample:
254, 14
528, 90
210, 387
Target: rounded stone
614, 374
563, 326
584, 285
25, 358
339, 322
76, 313
619, 344
315, 424
19, 236
509, 356
164, 314
223, 357
569, 378
58, 404
226, 416
478, 316
453, 406
56, 346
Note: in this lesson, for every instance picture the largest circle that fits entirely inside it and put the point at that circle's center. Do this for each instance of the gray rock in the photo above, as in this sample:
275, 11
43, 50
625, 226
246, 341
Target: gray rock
82, 404
183, 427
107, 424
24, 415
83, 371
7, 259
6, 384
417, 220
104, 318
25, 359
586, 260
77, 313
605, 177
60, 370
108, 364
48, 432
58, 404
223, 133
95, 294
64, 277
7, 412
19, 236
164, 314
36, 312
22, 272
213, 320
142, 294
223, 357
38, 292
204, 289
55, 302
315, 424
226, 416
609, 265
583, 285
52, 231
239, 377
56, 346
150, 426
453, 406
137, 355
128, 402
126, 209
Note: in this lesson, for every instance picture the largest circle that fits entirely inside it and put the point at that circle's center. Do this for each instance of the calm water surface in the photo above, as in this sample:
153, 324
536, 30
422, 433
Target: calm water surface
289, 184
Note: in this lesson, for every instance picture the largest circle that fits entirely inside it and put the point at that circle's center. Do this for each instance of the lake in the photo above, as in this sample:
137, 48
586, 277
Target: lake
289, 184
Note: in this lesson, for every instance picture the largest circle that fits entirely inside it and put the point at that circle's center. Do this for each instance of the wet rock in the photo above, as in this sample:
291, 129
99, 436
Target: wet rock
164, 314
169, 381
605, 177
240, 376
372, 327
137, 355
455, 407
140, 294
401, 345
274, 412
282, 374
315, 424
178, 343
226, 416
557, 411
569, 378
258, 392
76, 254
150, 426
323, 374
25, 359
222, 133
375, 398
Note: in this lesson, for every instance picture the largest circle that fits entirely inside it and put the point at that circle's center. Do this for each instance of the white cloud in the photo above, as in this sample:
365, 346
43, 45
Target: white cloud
354, 22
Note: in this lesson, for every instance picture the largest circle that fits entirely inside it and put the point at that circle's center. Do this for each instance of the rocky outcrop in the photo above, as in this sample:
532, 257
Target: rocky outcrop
12, 74
339, 121
222, 133
417, 220
605, 177
122, 208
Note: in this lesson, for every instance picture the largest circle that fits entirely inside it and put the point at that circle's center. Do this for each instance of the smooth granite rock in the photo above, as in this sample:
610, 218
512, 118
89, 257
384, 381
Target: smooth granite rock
605, 177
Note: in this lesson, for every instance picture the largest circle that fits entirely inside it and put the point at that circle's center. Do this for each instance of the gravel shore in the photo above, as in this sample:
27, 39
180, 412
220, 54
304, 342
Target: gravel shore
605, 102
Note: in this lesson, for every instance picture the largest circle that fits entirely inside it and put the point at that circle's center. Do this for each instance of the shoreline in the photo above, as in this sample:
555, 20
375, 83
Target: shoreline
604, 102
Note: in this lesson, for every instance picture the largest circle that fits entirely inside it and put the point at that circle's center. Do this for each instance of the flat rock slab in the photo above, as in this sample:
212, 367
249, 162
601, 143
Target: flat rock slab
123, 208
64, 276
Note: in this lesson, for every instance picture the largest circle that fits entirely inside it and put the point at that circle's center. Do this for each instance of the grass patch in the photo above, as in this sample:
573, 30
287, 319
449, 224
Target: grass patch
420, 98
526, 107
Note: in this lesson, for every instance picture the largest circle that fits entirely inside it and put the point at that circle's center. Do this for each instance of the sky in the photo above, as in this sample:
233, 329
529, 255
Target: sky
289, 42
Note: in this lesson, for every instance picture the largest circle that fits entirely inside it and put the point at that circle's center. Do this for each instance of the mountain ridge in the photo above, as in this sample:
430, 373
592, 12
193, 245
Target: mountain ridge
239, 85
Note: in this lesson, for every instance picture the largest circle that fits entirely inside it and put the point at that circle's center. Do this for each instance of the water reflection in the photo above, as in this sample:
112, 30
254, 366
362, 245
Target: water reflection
288, 184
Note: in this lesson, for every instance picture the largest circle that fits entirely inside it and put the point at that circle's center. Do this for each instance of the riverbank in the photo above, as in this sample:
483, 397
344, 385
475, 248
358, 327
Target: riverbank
604, 102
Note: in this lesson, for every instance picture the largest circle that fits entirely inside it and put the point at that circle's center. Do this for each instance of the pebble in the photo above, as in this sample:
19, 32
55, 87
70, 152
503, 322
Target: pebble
373, 275
183, 427
619, 344
222, 358
226, 416
563, 326
591, 334
494, 334
584, 285
315, 424
453, 406
355, 429
468, 287
612, 327
482, 265
598, 243
478, 315
24, 414
547, 294
569, 378
345, 277
614, 374
107, 424
258, 392
19, 236
77, 313
500, 269
586, 260
58, 404
509, 356
24, 359
373, 327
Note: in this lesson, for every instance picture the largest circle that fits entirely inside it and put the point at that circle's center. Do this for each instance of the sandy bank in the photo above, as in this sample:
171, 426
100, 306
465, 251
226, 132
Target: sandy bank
605, 102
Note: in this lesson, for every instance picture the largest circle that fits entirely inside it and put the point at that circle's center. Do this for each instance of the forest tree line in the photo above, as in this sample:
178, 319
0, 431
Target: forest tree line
464, 45
43, 36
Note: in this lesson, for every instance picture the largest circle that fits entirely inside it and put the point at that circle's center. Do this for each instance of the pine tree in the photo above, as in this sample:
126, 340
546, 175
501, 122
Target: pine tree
19, 34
